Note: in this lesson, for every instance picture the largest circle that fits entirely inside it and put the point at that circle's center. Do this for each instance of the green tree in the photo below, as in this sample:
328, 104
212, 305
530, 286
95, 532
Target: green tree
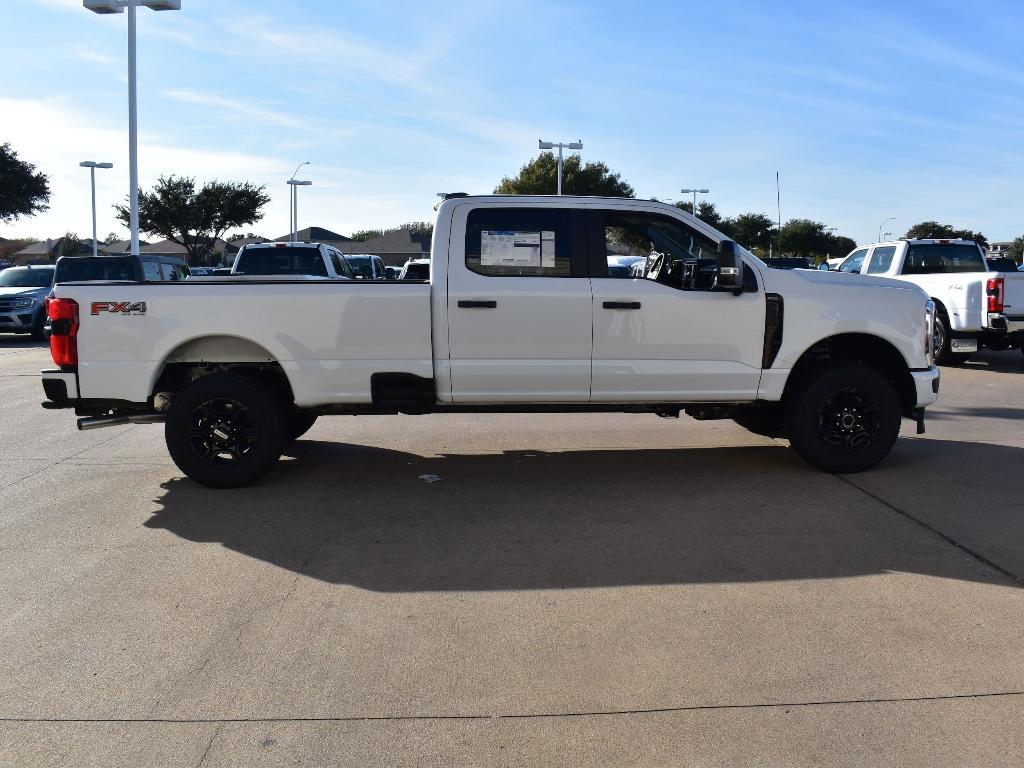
803, 237
1016, 249
24, 191
752, 230
933, 229
110, 238
540, 177
194, 218
71, 245
840, 245
708, 213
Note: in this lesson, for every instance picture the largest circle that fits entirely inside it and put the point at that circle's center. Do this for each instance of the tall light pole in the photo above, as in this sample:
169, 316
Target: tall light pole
295, 183
92, 165
694, 191
291, 203
118, 6
541, 144
891, 218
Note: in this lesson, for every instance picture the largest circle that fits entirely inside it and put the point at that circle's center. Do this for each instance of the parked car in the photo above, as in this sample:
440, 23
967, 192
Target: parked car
415, 269
367, 267
520, 315
1002, 264
152, 267
392, 273
975, 307
291, 261
23, 292
789, 262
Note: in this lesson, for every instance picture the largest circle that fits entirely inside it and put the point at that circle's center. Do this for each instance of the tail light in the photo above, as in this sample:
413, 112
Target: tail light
994, 291
63, 314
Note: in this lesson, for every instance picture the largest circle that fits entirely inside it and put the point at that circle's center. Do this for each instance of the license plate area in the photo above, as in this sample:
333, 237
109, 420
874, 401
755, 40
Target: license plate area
963, 345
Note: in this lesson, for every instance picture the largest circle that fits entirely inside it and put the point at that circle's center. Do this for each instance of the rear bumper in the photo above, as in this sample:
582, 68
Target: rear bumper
926, 385
60, 388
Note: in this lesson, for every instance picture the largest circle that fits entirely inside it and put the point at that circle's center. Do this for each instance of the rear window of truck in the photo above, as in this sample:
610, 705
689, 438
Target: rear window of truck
99, 268
281, 261
940, 258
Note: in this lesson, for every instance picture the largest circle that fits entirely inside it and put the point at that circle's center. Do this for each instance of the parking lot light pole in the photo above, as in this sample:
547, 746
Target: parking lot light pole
891, 218
291, 203
694, 192
92, 166
541, 144
118, 6
295, 183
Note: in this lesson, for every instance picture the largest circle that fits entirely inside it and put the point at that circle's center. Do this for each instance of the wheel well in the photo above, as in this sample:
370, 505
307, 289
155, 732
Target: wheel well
862, 348
202, 356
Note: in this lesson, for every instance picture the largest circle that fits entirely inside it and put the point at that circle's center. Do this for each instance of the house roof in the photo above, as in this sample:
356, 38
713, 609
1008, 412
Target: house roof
316, 235
402, 241
121, 246
169, 246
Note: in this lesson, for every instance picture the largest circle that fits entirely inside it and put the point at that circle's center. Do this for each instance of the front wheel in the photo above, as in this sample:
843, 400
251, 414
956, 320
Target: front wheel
224, 430
298, 423
844, 418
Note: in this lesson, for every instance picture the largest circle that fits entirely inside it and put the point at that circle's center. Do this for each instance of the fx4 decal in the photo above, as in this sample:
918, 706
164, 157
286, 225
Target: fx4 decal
119, 307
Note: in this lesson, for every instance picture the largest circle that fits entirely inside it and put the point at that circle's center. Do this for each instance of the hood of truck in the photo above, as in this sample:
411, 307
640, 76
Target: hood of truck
776, 279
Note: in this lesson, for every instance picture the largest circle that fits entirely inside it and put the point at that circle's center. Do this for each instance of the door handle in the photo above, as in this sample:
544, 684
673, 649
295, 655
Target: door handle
463, 304
621, 305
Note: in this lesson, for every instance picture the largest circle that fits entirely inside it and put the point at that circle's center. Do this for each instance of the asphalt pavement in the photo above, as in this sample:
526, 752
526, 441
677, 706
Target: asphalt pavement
577, 590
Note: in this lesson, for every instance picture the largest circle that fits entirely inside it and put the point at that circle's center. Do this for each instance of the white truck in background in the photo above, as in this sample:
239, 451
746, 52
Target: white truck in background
974, 307
521, 314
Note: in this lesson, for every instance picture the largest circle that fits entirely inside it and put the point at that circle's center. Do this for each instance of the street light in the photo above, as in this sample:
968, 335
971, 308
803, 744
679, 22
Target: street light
291, 204
541, 144
118, 6
891, 218
92, 165
295, 184
694, 191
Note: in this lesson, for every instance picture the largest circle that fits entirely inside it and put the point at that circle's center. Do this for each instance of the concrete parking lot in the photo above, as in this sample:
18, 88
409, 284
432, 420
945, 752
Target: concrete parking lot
578, 590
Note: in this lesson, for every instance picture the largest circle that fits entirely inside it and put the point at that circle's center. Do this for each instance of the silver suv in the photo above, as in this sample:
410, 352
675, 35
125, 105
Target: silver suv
23, 292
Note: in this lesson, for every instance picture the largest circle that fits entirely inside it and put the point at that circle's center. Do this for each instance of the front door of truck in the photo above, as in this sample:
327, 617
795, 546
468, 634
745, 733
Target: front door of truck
519, 315
671, 338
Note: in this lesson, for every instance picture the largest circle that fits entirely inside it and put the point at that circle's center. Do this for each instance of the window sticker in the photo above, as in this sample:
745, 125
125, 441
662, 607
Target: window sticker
547, 249
511, 249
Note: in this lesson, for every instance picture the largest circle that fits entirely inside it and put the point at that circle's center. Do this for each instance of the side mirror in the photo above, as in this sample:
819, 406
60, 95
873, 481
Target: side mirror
730, 267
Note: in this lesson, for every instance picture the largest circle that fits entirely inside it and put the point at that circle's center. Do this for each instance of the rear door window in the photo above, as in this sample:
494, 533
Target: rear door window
881, 259
524, 242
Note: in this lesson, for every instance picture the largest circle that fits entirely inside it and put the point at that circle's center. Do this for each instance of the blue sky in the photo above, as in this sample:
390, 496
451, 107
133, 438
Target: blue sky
868, 110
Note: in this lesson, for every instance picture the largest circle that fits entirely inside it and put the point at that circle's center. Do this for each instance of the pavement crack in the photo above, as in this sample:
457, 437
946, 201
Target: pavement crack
527, 715
1013, 577
209, 744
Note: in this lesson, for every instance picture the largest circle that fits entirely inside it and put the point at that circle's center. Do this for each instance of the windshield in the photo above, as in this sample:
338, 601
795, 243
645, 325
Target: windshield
361, 265
100, 268
293, 260
417, 272
936, 258
26, 278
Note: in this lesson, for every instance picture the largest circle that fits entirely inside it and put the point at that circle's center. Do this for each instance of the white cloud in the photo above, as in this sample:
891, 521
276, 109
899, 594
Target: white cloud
239, 106
88, 53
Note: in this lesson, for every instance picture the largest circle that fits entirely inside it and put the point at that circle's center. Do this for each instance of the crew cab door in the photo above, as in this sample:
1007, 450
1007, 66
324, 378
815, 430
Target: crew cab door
661, 339
518, 305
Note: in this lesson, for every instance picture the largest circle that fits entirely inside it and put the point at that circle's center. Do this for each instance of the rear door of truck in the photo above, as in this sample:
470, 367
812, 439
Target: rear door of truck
519, 304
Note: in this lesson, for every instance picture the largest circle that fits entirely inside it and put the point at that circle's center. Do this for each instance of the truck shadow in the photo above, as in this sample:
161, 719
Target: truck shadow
351, 514
1008, 361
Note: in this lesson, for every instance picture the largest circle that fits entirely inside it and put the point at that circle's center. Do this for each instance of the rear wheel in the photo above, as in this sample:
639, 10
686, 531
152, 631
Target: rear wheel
942, 342
843, 418
224, 430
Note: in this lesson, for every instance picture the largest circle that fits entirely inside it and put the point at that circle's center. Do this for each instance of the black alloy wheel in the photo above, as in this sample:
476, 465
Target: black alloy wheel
843, 418
225, 430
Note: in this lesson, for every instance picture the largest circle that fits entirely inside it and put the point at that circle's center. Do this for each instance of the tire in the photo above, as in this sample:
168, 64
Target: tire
298, 423
225, 430
843, 418
767, 420
942, 343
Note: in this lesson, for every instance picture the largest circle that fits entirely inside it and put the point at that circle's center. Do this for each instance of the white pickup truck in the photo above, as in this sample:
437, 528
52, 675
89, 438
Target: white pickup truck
974, 306
520, 314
